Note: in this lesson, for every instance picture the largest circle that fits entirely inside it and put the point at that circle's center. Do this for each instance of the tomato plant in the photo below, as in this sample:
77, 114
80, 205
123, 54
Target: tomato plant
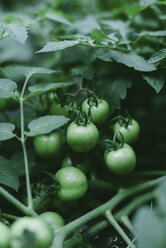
48, 145
73, 183
69, 73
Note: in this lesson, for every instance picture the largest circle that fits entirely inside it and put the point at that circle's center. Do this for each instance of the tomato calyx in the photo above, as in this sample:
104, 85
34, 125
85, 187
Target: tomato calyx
93, 100
124, 121
114, 144
81, 118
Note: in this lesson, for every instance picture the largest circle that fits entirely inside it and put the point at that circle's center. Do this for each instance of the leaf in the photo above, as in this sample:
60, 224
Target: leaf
147, 2
58, 16
158, 56
156, 80
19, 72
6, 131
46, 124
149, 229
8, 176
7, 88
132, 60
99, 36
114, 90
86, 25
44, 87
16, 31
58, 45
17, 162
159, 33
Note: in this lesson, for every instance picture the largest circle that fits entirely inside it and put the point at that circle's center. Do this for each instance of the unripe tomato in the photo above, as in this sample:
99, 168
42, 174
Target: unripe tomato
73, 183
58, 109
48, 145
31, 232
130, 133
5, 236
121, 161
82, 138
99, 112
54, 219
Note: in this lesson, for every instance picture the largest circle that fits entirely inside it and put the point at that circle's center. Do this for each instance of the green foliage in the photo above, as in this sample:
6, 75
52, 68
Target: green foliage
56, 54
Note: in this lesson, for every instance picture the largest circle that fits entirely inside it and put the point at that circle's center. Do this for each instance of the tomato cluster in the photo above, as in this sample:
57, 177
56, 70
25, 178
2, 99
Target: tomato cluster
31, 232
82, 136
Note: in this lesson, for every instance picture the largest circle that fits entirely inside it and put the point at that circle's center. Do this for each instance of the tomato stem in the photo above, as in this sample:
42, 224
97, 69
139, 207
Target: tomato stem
118, 228
23, 142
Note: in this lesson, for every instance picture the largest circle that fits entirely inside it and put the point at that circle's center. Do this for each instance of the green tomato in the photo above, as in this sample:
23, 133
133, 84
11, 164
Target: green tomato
130, 133
82, 138
48, 145
54, 219
58, 109
3, 104
73, 183
82, 165
121, 161
5, 236
31, 232
99, 113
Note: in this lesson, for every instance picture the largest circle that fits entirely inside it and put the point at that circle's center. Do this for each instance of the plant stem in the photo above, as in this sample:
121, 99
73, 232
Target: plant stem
15, 202
9, 216
99, 184
136, 202
29, 193
122, 195
118, 228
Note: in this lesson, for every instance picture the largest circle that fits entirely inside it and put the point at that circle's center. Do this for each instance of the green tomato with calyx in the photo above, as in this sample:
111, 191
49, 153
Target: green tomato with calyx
121, 161
99, 111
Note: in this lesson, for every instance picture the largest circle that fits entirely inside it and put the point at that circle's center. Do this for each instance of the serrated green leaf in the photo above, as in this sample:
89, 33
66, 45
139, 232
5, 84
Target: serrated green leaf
156, 80
132, 60
114, 90
8, 176
19, 72
58, 45
158, 56
58, 17
16, 31
46, 124
7, 88
6, 131
44, 87
99, 36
